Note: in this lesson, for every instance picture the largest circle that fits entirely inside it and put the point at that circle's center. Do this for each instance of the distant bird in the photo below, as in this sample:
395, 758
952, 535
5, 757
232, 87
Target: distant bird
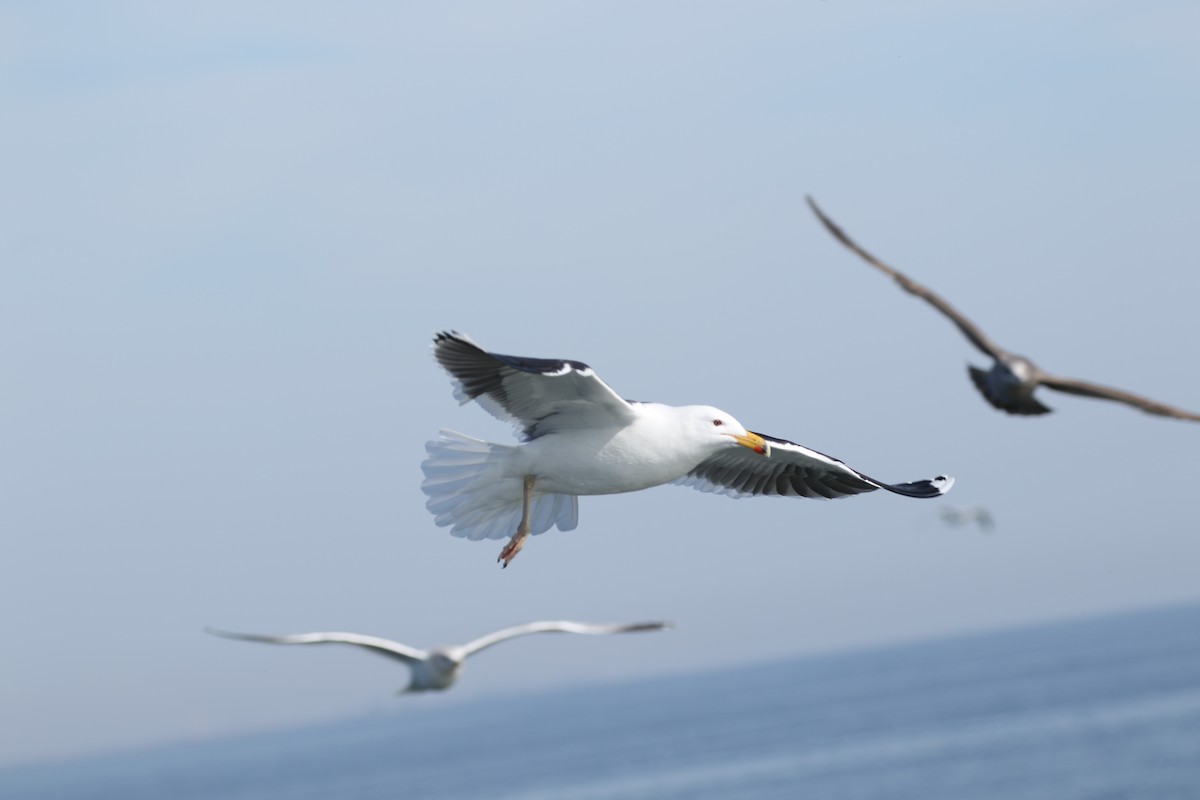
1012, 379
438, 668
581, 438
957, 516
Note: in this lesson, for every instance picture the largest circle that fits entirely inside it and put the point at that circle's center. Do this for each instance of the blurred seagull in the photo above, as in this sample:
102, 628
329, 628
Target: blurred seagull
580, 438
957, 516
1012, 379
438, 668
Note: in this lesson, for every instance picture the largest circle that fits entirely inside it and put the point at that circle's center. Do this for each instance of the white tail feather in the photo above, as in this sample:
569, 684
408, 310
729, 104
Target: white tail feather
469, 493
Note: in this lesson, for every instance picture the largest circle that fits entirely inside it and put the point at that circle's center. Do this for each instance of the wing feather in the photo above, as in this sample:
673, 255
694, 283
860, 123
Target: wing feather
384, 646
793, 470
538, 395
969, 329
1086, 389
560, 626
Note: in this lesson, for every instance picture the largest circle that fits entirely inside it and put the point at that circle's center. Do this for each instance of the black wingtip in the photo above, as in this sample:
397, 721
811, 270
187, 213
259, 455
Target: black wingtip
935, 487
829, 224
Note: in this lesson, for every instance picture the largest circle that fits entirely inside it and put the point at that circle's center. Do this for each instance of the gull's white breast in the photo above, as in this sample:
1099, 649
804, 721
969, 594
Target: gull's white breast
650, 451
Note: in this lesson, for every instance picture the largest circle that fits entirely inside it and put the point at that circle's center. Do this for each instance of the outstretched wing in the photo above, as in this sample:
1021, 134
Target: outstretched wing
557, 627
538, 395
384, 646
1075, 386
793, 470
968, 328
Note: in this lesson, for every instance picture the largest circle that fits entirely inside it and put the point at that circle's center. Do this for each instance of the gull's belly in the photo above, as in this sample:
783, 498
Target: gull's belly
600, 464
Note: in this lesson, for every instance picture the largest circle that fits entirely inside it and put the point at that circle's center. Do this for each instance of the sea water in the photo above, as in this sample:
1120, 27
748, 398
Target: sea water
1104, 708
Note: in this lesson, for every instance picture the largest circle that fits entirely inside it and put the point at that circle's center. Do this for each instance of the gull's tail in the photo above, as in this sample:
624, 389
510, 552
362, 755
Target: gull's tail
467, 490
1016, 404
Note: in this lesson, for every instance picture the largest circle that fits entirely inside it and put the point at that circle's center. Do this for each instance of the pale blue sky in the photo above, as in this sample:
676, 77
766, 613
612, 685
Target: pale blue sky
230, 232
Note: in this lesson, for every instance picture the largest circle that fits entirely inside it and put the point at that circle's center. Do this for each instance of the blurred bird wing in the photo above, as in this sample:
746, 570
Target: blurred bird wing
969, 329
1075, 386
383, 646
557, 627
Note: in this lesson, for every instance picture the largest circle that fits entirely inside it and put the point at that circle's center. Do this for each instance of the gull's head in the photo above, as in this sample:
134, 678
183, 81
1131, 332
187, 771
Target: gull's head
723, 430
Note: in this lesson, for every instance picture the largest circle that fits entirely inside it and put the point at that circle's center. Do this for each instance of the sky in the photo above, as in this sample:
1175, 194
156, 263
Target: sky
230, 232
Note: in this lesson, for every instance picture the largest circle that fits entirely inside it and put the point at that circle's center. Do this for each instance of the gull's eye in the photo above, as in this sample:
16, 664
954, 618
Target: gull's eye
718, 423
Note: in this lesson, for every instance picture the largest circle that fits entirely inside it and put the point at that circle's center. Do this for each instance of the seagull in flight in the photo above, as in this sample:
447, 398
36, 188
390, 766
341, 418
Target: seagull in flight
438, 668
579, 437
957, 516
1012, 379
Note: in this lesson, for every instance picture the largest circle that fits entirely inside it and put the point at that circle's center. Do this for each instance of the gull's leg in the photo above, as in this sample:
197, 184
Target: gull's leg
518, 539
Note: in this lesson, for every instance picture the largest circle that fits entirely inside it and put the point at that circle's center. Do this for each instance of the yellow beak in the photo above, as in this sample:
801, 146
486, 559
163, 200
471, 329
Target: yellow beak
755, 442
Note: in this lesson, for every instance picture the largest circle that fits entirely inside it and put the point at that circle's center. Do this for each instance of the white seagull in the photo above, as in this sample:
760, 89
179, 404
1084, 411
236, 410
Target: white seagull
438, 668
580, 438
1010, 382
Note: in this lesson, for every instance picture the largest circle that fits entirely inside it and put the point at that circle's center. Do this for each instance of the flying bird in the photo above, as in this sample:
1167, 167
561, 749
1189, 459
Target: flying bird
957, 516
1012, 379
438, 668
579, 437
